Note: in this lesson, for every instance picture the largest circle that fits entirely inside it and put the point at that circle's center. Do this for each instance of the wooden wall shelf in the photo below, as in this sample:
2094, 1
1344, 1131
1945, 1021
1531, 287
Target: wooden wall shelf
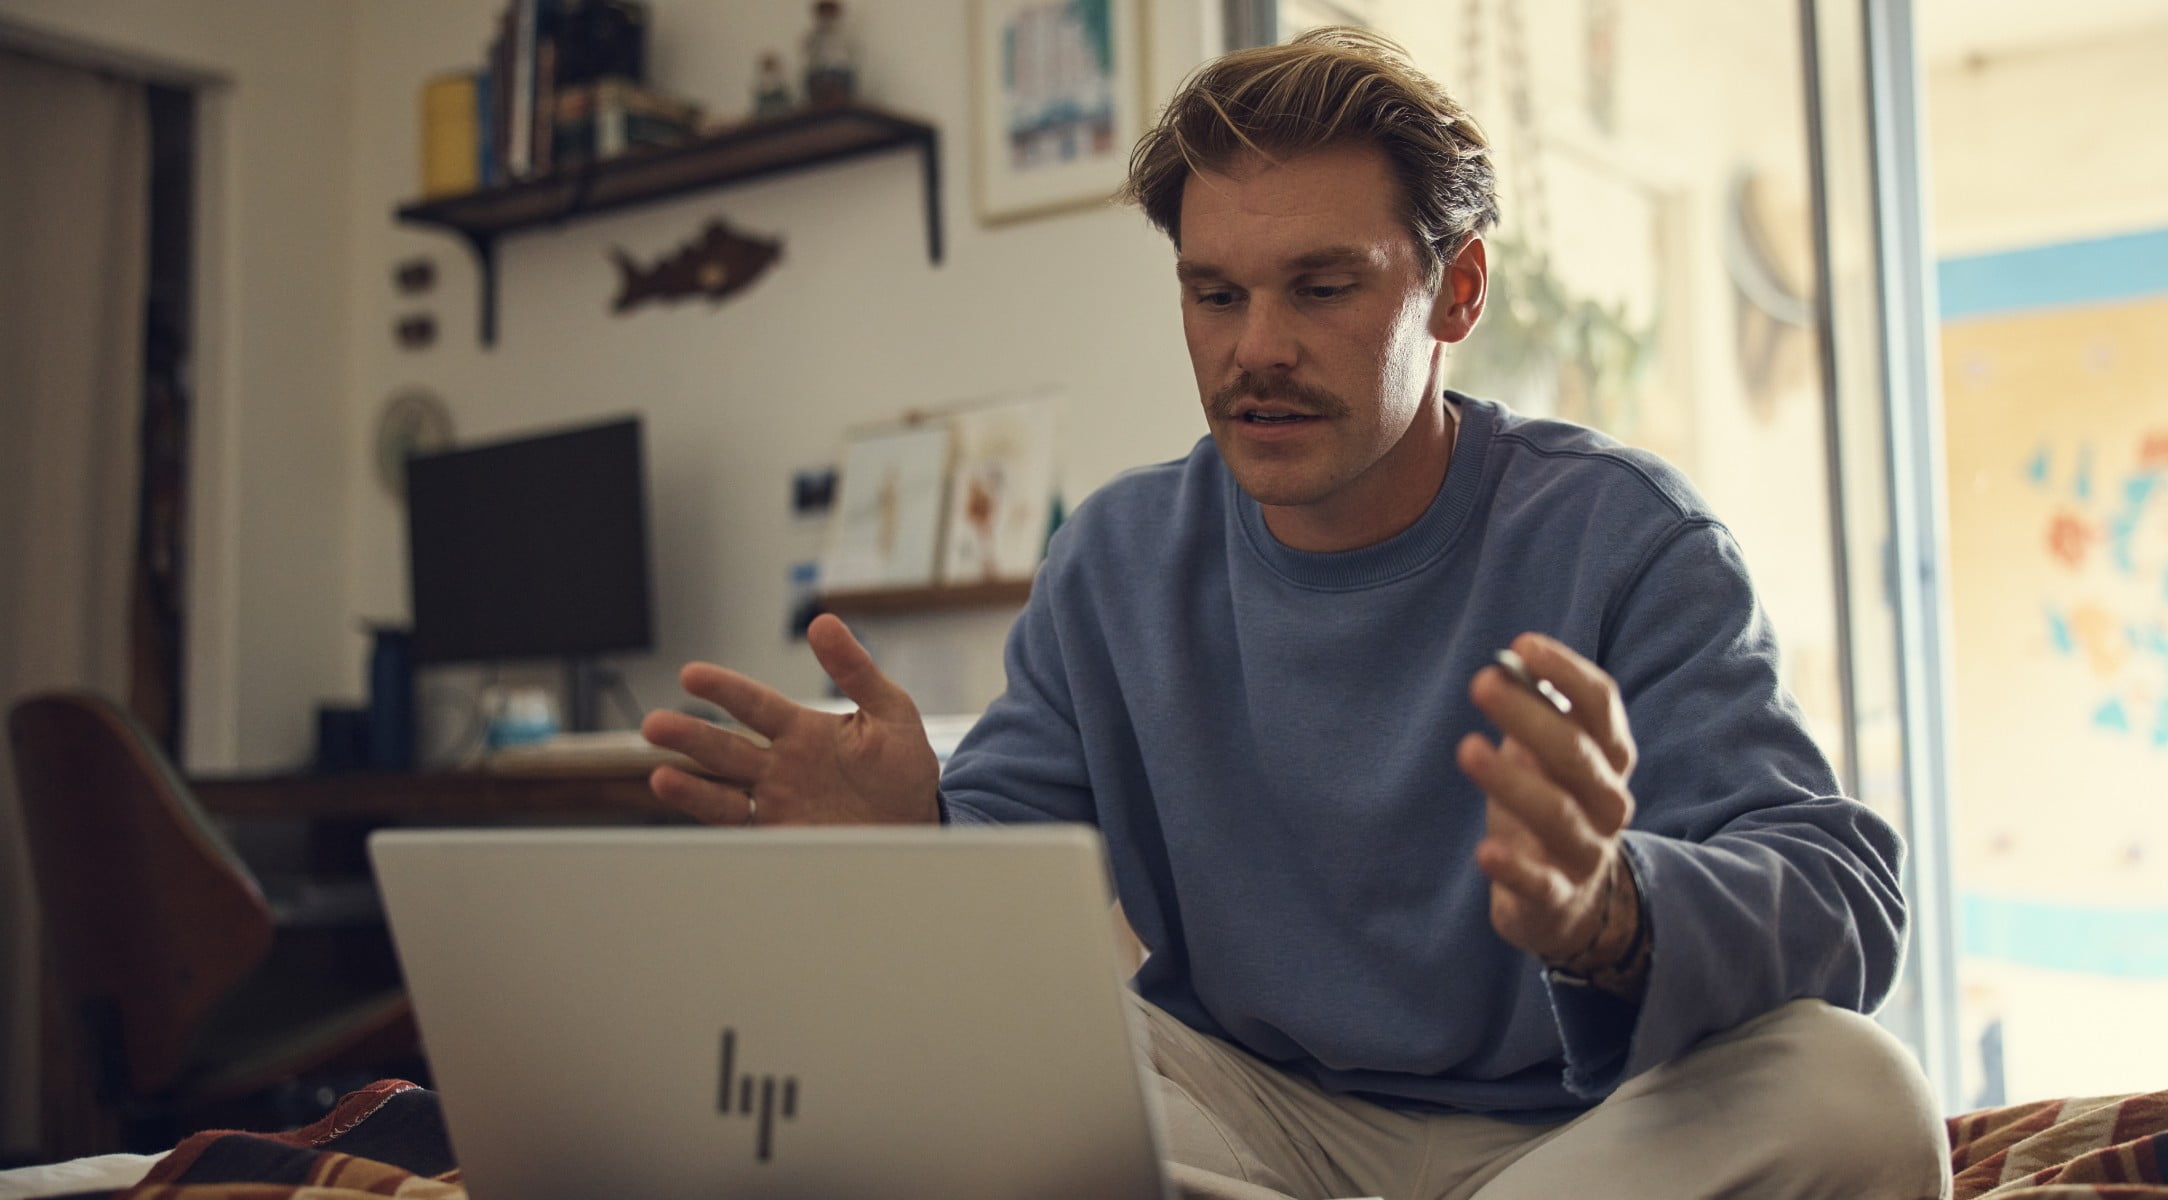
735, 155
931, 599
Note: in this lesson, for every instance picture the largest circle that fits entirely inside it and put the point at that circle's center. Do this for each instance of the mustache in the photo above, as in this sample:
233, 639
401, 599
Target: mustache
1246, 386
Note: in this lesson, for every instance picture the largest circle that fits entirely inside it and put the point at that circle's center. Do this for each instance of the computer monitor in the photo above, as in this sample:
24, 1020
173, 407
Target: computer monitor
531, 548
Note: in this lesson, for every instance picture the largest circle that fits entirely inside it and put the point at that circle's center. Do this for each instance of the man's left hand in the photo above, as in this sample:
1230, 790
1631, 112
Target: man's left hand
1556, 802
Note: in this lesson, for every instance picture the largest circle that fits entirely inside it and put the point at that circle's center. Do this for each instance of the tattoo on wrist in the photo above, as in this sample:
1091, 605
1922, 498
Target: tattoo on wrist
1603, 924
1623, 972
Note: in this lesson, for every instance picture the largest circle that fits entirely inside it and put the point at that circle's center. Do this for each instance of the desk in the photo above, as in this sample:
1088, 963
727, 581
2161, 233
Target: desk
614, 791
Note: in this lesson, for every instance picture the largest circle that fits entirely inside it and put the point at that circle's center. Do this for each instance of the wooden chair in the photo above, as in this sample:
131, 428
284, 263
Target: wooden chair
164, 945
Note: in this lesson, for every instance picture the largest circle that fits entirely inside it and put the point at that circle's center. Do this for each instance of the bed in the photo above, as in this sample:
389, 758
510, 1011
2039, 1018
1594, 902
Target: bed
388, 1139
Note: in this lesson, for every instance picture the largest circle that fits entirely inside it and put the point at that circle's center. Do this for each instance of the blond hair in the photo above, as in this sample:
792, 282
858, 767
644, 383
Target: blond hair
1331, 86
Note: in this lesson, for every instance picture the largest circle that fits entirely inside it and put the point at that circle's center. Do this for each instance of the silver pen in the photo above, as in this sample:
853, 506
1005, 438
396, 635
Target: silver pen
1517, 671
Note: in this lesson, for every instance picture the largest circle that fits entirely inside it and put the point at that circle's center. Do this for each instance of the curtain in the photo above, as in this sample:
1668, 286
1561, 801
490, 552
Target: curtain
74, 182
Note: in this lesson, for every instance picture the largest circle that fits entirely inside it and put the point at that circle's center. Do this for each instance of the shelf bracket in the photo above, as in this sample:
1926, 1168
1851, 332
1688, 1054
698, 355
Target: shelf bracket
929, 165
484, 246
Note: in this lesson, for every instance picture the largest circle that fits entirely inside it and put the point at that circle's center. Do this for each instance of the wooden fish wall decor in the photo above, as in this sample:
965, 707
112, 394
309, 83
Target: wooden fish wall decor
717, 264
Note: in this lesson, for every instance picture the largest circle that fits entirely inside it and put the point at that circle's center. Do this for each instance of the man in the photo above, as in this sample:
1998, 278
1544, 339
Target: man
1387, 954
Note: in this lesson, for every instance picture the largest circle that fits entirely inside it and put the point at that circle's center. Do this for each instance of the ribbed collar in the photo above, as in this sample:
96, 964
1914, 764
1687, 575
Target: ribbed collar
1412, 548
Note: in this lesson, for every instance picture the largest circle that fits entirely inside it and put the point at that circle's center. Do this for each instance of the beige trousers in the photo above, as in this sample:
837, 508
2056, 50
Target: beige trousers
1808, 1101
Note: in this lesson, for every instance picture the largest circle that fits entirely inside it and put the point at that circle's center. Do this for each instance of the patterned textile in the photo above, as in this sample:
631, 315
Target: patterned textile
388, 1140
385, 1140
2099, 1148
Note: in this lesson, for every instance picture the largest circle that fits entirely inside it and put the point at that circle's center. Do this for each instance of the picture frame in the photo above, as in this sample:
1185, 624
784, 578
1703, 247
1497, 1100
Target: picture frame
1001, 492
885, 529
1058, 103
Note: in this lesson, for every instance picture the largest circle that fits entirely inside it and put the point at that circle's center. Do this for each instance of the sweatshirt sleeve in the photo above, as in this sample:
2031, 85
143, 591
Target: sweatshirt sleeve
1761, 883
1024, 761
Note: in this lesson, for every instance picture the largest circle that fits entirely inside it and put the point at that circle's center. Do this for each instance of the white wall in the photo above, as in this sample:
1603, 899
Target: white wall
853, 325
2013, 167
264, 574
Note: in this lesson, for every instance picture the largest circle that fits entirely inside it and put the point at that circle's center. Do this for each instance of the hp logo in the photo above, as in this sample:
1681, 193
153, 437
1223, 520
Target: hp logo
734, 1096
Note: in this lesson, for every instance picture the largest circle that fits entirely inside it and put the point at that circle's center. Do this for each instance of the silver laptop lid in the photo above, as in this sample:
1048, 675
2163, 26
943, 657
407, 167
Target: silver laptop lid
773, 1013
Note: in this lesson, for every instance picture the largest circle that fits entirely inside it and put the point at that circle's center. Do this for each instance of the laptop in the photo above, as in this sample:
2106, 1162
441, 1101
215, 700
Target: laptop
906, 1012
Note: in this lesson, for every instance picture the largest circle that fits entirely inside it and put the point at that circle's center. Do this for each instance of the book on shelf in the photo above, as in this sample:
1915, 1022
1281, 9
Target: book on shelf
519, 120
485, 126
558, 87
598, 39
522, 75
615, 92
542, 123
607, 117
450, 111
498, 167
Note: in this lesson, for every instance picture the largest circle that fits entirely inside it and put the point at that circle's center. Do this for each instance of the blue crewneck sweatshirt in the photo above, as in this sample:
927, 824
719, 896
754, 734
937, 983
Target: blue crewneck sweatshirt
1265, 737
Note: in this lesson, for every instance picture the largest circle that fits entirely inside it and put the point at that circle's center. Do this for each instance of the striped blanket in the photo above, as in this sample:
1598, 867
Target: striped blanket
388, 1140
385, 1140
2102, 1148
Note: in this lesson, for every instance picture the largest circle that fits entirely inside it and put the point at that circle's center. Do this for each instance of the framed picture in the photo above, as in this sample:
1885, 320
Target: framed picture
1058, 89
885, 529
1001, 492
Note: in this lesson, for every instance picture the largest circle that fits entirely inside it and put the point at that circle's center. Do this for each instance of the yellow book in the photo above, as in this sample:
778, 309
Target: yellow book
451, 136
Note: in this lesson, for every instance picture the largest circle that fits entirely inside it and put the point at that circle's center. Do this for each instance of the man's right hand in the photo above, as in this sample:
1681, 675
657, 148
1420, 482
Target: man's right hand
873, 766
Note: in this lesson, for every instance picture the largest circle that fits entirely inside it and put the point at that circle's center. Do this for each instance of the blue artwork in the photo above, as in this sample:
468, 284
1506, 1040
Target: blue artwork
2122, 530
2153, 640
1058, 77
2124, 647
2123, 526
2103, 500
2059, 634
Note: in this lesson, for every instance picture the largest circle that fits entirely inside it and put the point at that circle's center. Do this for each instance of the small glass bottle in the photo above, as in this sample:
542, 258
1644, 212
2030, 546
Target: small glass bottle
831, 59
771, 91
